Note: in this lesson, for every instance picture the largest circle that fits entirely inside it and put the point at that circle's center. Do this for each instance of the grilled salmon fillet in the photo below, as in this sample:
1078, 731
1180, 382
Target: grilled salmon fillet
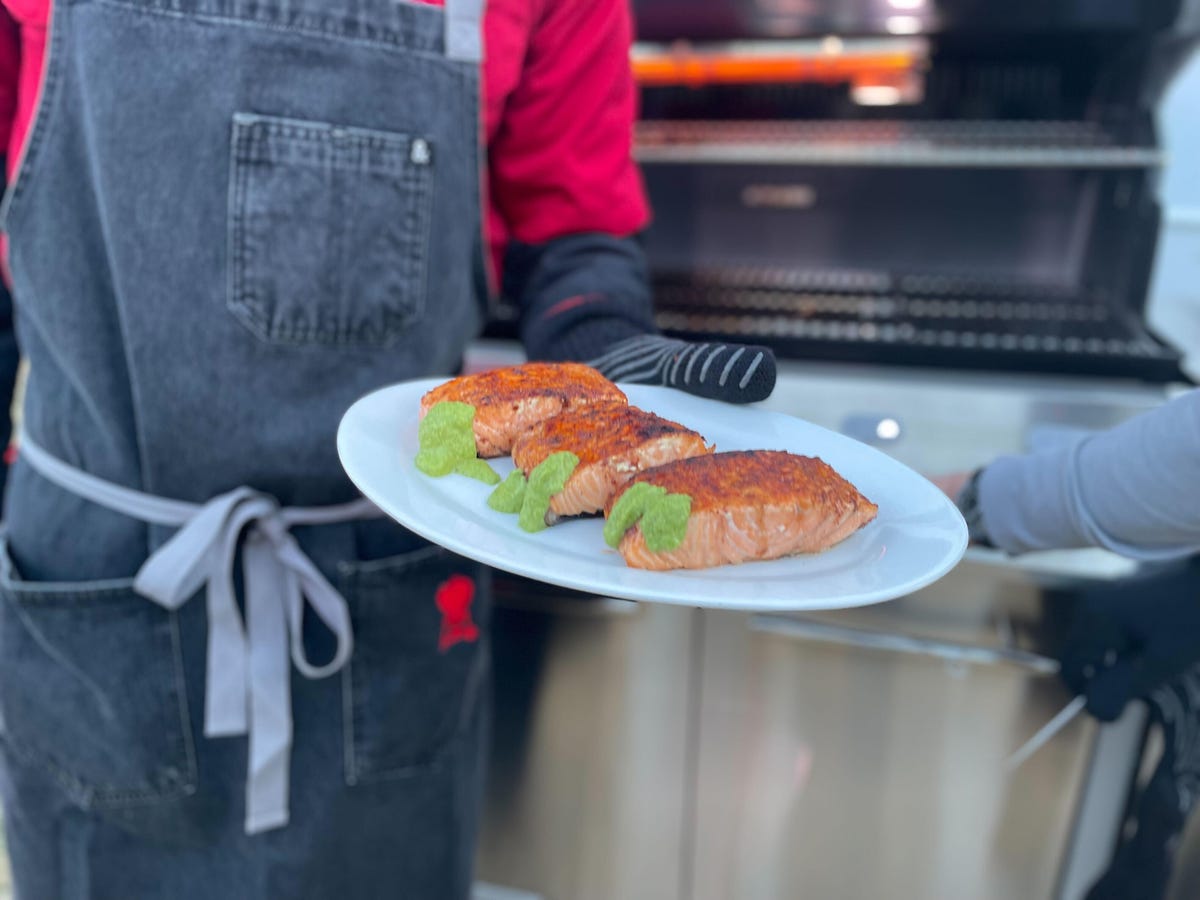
614, 441
510, 401
750, 505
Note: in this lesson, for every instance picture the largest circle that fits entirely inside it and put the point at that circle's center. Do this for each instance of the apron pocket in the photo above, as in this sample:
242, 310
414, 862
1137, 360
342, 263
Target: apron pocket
329, 231
92, 690
413, 684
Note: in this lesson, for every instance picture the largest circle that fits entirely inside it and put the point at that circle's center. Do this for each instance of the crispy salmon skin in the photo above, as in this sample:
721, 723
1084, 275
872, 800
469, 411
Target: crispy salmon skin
510, 401
614, 441
750, 505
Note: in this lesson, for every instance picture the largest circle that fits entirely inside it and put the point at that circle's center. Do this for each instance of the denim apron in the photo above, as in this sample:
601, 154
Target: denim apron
232, 219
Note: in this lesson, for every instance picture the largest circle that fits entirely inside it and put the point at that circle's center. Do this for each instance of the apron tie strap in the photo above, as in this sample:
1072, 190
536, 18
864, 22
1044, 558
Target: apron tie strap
248, 680
464, 34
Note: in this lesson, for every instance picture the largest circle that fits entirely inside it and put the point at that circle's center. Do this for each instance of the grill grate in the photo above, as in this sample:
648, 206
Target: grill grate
931, 320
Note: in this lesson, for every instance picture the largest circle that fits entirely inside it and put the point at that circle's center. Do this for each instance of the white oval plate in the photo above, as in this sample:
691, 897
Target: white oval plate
917, 537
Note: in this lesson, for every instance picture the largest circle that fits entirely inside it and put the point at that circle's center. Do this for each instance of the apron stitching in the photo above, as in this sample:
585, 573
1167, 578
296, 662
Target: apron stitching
424, 184
185, 718
234, 234
349, 760
340, 186
43, 118
423, 49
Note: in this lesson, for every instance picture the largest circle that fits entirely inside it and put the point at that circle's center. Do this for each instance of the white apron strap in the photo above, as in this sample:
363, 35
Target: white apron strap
464, 31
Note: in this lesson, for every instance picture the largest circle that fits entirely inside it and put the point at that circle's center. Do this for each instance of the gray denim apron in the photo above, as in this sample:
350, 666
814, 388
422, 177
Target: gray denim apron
232, 219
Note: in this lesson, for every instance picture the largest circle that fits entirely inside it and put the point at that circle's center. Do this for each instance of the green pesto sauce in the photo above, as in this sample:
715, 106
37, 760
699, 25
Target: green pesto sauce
509, 495
446, 437
551, 474
664, 526
477, 469
630, 507
663, 517
547, 479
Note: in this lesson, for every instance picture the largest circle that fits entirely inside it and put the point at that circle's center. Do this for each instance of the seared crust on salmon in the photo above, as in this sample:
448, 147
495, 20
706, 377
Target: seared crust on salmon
510, 401
750, 505
614, 441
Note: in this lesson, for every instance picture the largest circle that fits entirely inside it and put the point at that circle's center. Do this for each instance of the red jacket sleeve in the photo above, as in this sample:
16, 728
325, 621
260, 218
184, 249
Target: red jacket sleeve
10, 70
560, 153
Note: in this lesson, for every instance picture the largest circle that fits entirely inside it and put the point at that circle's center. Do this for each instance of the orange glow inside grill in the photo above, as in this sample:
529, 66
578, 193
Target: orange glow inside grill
694, 70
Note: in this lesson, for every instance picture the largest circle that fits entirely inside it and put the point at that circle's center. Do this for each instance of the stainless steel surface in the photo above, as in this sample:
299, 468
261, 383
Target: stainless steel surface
841, 47
485, 891
829, 771
945, 651
1102, 802
588, 783
685, 755
902, 143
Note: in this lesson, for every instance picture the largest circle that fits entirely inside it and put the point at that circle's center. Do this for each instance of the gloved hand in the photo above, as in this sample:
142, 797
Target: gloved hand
1122, 641
586, 297
734, 373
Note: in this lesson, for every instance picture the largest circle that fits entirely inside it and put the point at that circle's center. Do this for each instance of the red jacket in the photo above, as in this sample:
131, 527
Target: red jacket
559, 101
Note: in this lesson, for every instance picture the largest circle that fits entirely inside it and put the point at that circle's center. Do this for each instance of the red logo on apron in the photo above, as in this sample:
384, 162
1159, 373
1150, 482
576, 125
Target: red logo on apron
453, 599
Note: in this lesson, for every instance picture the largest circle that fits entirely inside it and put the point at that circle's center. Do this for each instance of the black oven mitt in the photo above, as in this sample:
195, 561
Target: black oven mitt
1123, 640
586, 297
734, 373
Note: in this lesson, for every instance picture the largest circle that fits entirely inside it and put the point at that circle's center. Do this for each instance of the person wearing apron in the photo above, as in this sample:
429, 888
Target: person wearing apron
222, 674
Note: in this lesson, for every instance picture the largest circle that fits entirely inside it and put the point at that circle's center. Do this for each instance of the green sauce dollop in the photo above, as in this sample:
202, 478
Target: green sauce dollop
630, 507
547, 479
446, 438
663, 517
507, 498
664, 525
477, 469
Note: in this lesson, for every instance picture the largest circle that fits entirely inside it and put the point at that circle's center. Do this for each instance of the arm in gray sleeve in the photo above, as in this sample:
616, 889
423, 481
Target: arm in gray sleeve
1133, 489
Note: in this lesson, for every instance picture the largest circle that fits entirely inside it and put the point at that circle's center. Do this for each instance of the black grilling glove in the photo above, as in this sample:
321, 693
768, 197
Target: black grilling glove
1123, 640
735, 373
586, 297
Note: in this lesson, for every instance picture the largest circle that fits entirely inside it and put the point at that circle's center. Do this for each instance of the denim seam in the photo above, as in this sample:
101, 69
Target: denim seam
188, 739
86, 795
352, 572
420, 247
43, 119
304, 129
57, 591
396, 43
349, 759
489, 303
436, 763
236, 243
473, 685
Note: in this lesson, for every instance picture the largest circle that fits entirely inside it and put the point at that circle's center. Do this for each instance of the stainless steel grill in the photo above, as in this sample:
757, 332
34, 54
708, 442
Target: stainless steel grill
985, 144
998, 215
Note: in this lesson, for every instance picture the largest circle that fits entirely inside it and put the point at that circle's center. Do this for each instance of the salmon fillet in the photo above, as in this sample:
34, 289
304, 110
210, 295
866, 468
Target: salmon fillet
750, 505
614, 441
510, 401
